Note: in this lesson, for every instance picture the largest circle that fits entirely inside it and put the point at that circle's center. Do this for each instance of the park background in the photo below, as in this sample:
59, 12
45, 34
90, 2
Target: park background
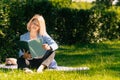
88, 34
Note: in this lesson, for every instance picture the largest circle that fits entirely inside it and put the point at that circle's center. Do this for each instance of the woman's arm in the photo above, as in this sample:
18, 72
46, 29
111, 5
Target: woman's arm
24, 37
48, 40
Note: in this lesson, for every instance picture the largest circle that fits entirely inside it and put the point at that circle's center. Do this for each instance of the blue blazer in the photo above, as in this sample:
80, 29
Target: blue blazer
45, 39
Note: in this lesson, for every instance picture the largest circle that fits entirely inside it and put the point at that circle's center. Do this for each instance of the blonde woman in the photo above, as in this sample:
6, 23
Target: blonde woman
37, 29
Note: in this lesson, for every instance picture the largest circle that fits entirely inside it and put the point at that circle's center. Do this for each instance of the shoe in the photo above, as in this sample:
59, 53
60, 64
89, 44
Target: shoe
27, 70
41, 68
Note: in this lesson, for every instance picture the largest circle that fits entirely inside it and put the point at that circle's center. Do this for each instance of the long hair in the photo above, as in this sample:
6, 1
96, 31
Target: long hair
41, 22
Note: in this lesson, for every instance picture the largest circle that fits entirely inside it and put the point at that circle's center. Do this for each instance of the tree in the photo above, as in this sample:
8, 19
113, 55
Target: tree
118, 3
106, 3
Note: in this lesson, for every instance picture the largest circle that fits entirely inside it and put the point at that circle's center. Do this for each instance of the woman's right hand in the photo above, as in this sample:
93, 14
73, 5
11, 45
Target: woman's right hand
27, 55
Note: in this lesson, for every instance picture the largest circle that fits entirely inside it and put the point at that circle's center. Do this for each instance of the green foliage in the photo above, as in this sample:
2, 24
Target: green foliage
103, 59
106, 3
66, 23
81, 5
104, 25
6, 34
118, 3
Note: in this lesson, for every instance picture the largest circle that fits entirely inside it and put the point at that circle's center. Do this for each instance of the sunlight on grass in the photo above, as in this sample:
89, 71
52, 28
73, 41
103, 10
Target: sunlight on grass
103, 59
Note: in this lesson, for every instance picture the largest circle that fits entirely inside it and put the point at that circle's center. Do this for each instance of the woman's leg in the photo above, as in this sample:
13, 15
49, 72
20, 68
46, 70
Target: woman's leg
23, 63
46, 60
38, 64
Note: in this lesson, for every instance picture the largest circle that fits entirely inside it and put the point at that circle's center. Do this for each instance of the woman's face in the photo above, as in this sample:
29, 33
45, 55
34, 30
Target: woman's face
34, 25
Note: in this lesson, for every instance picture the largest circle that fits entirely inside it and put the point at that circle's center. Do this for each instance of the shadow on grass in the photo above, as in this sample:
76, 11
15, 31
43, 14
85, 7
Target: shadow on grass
85, 59
103, 54
5, 70
98, 45
93, 46
114, 67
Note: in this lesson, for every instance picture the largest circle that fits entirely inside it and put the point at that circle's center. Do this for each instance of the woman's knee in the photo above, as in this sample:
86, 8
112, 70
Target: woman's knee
21, 63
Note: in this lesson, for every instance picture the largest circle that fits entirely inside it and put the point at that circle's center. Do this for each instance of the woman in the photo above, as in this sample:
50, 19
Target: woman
37, 29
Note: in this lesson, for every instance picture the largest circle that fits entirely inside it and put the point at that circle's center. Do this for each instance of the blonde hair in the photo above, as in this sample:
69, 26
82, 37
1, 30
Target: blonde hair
41, 22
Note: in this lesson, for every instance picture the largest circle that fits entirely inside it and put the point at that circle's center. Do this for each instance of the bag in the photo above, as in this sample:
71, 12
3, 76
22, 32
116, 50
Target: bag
11, 61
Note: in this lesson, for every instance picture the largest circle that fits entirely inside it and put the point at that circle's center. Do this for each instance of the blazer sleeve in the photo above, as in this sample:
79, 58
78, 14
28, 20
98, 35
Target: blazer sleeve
47, 39
23, 37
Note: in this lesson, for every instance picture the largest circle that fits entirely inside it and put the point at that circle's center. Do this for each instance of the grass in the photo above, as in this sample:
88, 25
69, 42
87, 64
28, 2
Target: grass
103, 59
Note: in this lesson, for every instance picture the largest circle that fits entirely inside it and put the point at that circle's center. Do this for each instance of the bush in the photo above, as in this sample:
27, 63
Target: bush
66, 25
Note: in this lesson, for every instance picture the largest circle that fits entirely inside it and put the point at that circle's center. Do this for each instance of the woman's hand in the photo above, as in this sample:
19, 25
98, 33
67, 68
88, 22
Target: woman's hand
46, 47
27, 55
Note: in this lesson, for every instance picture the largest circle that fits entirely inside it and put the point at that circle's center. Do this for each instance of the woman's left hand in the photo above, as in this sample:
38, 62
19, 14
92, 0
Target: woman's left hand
46, 47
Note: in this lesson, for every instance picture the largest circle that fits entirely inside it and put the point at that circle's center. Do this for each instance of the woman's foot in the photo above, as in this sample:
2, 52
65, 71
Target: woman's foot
27, 70
41, 68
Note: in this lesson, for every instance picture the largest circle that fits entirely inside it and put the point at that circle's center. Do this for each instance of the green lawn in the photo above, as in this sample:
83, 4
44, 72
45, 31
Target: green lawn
103, 59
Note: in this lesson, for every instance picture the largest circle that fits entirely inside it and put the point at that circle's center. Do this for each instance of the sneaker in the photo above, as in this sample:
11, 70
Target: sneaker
27, 70
40, 69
